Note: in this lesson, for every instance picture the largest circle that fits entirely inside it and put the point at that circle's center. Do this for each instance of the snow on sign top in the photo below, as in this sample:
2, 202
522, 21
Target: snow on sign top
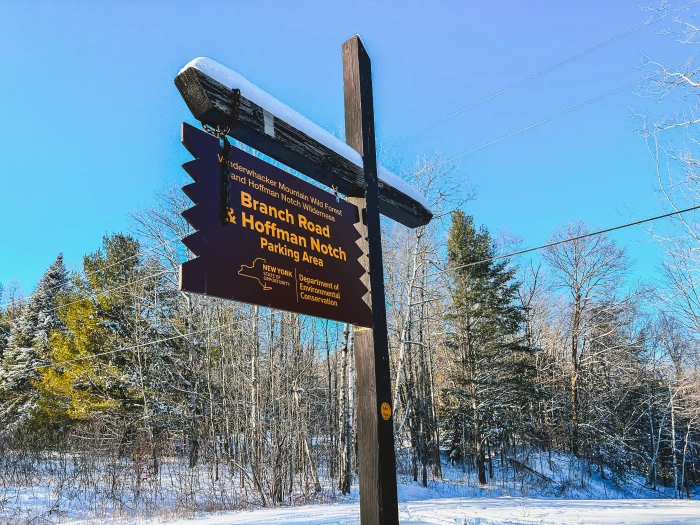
234, 80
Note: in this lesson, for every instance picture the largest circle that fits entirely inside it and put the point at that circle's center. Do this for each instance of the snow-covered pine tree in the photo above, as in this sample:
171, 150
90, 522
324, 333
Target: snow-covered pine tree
27, 345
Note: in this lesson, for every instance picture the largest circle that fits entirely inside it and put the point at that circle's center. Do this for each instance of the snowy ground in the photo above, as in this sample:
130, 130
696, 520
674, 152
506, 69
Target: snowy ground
462, 511
453, 502
553, 490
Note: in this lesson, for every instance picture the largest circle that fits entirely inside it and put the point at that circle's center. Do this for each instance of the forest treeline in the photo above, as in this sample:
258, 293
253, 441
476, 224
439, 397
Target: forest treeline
490, 358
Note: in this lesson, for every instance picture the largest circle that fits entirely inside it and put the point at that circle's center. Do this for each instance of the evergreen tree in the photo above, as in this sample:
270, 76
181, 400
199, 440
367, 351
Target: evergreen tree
101, 317
490, 383
28, 345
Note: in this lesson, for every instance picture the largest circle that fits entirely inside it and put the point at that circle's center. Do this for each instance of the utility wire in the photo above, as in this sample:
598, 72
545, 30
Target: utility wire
543, 121
563, 241
512, 254
108, 291
491, 259
544, 72
165, 339
140, 252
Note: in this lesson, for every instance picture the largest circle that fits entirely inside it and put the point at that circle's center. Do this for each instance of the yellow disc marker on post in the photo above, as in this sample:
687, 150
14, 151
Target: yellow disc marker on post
386, 411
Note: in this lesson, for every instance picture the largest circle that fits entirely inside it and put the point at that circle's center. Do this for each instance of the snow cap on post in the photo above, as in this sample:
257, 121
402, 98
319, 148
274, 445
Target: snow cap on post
400, 201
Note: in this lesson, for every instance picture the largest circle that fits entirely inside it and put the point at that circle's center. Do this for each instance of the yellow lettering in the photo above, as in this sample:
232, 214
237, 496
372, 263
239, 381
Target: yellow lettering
246, 200
312, 227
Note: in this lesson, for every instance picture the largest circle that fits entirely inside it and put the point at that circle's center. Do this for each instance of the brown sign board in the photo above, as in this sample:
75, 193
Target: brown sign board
268, 238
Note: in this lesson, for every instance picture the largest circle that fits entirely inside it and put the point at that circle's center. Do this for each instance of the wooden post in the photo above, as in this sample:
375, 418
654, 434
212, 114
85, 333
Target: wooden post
375, 427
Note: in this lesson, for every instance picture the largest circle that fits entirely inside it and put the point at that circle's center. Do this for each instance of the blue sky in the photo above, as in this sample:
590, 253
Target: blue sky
90, 115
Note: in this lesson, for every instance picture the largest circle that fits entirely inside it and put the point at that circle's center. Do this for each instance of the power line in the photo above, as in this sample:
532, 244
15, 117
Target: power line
140, 252
543, 121
107, 291
563, 241
513, 254
544, 72
141, 345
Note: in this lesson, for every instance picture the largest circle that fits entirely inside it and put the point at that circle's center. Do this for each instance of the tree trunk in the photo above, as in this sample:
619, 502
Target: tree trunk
345, 430
306, 444
575, 332
674, 452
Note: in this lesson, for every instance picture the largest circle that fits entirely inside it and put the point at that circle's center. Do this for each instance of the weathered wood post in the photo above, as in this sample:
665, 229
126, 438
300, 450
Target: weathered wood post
375, 428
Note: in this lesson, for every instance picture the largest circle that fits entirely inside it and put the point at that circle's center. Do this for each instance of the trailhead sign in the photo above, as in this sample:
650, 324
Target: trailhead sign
268, 238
